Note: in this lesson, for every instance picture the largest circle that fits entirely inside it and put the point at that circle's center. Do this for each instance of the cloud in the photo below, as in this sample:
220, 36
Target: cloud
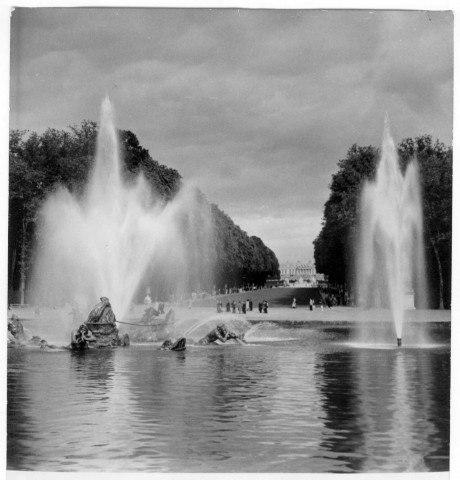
255, 106
415, 60
298, 224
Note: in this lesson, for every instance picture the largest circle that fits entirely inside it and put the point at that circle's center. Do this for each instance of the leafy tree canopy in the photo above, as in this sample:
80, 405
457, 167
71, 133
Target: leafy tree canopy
334, 246
39, 163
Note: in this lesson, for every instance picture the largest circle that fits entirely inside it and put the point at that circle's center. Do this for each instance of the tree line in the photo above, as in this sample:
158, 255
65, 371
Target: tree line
334, 250
39, 163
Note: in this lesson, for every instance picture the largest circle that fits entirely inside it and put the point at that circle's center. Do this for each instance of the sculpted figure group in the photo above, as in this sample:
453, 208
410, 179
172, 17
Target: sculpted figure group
218, 335
100, 331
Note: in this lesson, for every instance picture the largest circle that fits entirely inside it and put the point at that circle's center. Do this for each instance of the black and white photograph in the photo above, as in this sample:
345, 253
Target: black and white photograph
229, 239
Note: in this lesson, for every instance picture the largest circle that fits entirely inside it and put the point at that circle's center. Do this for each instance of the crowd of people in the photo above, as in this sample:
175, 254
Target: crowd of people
229, 290
330, 296
336, 295
241, 306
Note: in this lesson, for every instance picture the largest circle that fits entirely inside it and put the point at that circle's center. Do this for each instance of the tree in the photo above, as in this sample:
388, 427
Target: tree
166, 181
240, 258
27, 185
334, 246
39, 163
435, 163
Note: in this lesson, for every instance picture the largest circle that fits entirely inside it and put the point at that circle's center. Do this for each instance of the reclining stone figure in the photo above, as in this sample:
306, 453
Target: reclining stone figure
177, 345
80, 339
222, 334
18, 338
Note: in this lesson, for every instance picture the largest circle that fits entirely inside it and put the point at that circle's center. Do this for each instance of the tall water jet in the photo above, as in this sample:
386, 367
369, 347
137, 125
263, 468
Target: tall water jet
390, 257
106, 241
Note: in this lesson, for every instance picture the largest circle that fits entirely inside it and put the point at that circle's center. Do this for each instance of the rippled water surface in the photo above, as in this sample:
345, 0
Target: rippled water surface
296, 400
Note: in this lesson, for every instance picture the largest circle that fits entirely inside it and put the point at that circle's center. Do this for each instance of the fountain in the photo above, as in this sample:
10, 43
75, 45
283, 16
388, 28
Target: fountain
390, 257
105, 242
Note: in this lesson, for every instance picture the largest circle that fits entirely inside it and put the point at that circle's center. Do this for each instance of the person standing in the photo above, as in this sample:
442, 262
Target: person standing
265, 306
293, 303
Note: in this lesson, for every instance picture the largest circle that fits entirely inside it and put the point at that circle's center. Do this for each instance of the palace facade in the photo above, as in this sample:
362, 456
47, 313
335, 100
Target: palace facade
298, 272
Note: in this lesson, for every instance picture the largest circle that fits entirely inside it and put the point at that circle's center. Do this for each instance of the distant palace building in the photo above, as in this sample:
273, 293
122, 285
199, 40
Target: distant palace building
298, 273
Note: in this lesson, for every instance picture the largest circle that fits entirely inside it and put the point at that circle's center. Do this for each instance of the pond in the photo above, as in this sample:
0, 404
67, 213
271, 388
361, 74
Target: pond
292, 400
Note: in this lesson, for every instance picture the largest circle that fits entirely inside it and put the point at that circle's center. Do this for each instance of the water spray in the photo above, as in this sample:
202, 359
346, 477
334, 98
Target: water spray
113, 237
391, 252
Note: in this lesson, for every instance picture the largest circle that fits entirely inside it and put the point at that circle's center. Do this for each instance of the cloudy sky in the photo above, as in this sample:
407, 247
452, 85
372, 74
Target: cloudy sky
254, 106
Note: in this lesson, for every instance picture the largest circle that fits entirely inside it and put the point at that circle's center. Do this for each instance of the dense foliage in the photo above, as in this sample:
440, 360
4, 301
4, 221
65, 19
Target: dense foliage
435, 163
241, 259
334, 248
39, 163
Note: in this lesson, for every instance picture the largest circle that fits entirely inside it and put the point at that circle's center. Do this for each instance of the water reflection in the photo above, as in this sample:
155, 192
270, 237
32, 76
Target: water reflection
303, 406
343, 436
197, 403
20, 424
380, 411
93, 371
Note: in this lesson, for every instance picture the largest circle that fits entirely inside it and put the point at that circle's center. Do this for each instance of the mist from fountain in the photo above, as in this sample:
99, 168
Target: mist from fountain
390, 252
103, 243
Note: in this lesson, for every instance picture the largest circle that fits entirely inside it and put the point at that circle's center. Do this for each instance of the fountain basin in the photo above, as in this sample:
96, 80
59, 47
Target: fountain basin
314, 404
